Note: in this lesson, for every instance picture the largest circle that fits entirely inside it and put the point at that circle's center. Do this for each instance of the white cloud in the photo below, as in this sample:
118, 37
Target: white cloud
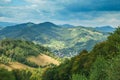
37, 1
55, 11
5, 1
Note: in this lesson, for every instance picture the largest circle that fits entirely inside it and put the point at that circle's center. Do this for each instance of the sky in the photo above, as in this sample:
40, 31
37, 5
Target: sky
89, 13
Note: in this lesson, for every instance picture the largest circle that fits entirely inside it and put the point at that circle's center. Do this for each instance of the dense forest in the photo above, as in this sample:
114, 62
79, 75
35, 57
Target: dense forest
101, 63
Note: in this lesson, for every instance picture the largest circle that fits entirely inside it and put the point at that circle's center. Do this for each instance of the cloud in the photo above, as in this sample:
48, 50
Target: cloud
77, 12
93, 5
92, 18
5, 1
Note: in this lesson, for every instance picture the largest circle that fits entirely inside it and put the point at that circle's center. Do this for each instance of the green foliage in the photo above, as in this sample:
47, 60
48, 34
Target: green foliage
49, 74
28, 74
19, 50
5, 60
65, 70
78, 77
22, 74
36, 74
98, 70
113, 69
78, 62
6, 75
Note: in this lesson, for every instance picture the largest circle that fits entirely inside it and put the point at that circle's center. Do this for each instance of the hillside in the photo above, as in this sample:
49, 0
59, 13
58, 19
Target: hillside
15, 53
101, 63
63, 41
14, 65
20, 60
43, 60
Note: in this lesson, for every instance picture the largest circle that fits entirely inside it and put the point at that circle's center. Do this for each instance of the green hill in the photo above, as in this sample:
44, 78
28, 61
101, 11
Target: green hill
24, 60
20, 50
63, 41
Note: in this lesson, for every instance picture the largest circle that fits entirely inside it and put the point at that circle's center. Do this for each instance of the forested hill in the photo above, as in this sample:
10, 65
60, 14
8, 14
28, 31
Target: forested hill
101, 63
64, 41
24, 60
20, 50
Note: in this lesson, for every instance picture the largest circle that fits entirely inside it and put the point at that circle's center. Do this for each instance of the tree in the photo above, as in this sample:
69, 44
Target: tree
98, 70
6, 75
22, 74
113, 70
78, 77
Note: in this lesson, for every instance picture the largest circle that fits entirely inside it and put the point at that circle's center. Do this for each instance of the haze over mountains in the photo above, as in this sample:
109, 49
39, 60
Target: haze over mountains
64, 40
4, 24
105, 29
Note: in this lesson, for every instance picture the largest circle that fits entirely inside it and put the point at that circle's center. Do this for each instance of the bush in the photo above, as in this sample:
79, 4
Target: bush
6, 75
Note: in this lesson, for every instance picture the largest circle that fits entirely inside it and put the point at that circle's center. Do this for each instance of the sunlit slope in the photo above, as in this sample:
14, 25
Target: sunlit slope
43, 60
16, 54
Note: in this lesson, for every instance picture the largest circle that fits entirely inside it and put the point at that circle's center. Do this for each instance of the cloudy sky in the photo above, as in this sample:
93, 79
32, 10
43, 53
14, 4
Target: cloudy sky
76, 12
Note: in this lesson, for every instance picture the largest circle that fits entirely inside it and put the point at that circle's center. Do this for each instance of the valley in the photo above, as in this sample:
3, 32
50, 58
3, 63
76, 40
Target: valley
25, 59
62, 41
59, 39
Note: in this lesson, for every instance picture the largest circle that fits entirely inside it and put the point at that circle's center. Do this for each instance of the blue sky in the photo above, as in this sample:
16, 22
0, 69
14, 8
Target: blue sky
76, 12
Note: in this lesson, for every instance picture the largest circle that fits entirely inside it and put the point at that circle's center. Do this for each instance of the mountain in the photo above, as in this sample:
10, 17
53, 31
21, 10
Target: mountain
1, 28
105, 29
47, 24
4, 24
67, 25
63, 41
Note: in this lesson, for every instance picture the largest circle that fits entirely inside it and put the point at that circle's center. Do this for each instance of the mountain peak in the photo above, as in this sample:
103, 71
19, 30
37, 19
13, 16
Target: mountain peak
29, 23
48, 24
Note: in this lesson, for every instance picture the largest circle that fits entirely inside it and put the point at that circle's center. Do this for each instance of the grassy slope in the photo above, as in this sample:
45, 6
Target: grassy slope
14, 65
43, 60
22, 54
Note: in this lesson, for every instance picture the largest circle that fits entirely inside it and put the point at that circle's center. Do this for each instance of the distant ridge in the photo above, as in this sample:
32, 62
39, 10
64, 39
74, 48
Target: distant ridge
67, 25
4, 24
105, 29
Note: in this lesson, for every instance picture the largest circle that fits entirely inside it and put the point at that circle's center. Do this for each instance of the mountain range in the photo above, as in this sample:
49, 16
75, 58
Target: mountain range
105, 29
4, 24
63, 41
